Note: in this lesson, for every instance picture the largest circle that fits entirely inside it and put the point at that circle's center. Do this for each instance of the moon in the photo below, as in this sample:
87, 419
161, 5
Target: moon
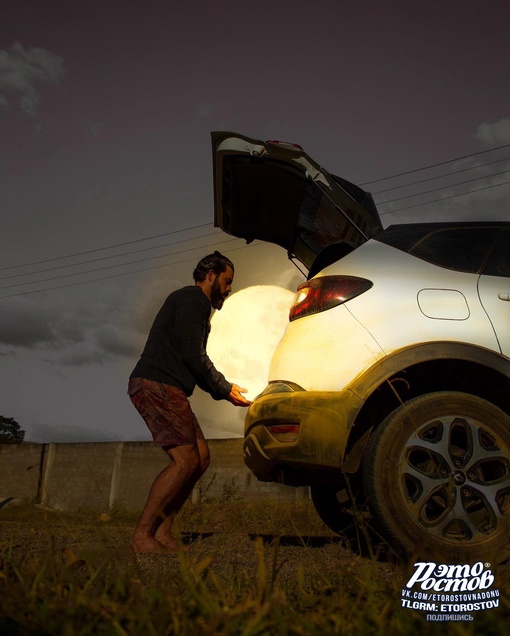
246, 332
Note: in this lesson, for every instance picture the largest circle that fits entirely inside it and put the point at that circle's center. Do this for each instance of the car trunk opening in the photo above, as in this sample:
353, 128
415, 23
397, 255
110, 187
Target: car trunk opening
274, 192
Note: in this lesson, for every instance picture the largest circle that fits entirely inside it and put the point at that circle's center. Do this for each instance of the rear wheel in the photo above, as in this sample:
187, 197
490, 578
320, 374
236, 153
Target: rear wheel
437, 475
341, 508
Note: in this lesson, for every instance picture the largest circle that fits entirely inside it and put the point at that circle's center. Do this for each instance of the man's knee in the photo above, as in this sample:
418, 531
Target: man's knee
186, 459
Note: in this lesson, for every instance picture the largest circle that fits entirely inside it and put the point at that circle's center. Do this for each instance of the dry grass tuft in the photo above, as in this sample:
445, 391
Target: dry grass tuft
258, 569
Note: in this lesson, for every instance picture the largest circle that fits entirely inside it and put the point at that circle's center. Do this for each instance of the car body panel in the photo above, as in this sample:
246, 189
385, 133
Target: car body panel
494, 294
325, 419
275, 192
366, 383
324, 364
316, 351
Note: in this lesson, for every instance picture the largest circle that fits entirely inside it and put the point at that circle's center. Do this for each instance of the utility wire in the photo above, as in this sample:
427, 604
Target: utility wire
91, 251
99, 249
441, 176
207, 224
451, 185
104, 258
434, 165
137, 271
453, 196
100, 269
148, 238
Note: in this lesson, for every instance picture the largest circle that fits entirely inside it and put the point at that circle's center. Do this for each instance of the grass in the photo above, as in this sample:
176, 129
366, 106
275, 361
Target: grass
267, 568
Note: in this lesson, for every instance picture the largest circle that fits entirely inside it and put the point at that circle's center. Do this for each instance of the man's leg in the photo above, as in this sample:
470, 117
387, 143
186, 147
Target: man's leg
164, 531
166, 493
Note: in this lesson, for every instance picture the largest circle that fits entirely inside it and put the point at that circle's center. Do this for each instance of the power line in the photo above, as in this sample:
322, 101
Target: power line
453, 196
451, 185
441, 176
191, 249
91, 251
148, 238
99, 249
434, 165
137, 271
104, 258
100, 269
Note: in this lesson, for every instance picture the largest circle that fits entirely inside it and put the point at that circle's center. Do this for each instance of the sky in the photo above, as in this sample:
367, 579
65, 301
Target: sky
106, 111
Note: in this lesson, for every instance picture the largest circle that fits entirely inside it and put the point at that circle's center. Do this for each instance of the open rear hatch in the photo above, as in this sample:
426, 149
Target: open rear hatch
272, 191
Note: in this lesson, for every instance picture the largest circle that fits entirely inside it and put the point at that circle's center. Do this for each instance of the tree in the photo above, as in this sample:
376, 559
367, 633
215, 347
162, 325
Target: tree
10, 431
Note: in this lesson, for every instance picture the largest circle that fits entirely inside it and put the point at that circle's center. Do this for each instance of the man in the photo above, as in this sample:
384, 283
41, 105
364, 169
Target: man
172, 363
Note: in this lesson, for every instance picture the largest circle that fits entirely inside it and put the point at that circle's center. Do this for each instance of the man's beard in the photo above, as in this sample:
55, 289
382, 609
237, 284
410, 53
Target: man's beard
217, 298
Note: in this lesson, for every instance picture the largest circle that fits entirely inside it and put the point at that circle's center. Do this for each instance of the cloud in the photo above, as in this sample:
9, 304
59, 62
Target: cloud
23, 70
117, 342
31, 324
98, 332
94, 328
473, 188
76, 355
494, 133
91, 329
24, 324
11, 353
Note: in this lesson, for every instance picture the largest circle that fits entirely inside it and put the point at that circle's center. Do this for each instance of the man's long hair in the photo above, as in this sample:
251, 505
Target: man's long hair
215, 262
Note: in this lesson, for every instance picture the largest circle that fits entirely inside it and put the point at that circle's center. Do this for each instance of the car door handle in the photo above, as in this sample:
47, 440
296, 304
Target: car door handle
504, 296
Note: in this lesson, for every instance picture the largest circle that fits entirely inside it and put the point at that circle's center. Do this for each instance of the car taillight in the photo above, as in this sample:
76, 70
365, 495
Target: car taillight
284, 432
325, 292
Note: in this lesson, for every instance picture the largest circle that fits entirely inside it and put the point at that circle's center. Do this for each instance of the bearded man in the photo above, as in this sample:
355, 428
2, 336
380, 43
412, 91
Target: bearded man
172, 363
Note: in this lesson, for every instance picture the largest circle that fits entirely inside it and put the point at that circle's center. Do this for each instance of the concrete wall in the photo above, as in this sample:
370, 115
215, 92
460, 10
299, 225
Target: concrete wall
104, 475
20, 470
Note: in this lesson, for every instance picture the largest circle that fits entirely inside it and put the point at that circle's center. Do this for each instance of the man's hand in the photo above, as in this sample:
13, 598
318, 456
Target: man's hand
236, 398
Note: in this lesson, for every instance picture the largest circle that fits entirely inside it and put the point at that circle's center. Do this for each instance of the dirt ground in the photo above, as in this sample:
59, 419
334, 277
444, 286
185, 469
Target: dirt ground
261, 567
234, 542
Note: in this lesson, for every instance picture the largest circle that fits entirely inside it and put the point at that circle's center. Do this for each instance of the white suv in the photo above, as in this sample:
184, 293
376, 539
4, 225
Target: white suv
393, 376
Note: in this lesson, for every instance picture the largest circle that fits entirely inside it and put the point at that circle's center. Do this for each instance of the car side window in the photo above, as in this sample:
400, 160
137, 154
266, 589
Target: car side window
462, 249
499, 260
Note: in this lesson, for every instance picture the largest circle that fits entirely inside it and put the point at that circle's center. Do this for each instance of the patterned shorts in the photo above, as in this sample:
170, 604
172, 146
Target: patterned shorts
166, 411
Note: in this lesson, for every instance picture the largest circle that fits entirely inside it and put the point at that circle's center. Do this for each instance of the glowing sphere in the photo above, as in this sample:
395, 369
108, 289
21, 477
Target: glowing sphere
245, 333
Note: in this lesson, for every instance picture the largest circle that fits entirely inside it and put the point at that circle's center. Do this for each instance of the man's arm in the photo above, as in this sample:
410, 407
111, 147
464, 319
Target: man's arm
191, 331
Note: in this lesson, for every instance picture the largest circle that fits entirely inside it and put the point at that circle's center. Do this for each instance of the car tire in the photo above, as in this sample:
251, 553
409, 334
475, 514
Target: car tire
334, 512
437, 477
340, 508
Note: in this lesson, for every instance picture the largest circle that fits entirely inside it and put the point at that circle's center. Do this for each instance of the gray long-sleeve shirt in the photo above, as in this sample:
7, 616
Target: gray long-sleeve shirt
175, 351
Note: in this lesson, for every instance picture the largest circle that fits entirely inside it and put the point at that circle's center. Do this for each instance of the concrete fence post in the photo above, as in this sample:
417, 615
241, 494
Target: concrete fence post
106, 475
196, 494
47, 467
115, 482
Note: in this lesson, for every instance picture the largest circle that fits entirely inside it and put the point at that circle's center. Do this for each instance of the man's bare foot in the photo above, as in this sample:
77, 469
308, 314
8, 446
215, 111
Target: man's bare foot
170, 542
148, 546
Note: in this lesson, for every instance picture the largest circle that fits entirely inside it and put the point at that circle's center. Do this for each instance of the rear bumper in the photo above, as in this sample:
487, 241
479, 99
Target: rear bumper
325, 419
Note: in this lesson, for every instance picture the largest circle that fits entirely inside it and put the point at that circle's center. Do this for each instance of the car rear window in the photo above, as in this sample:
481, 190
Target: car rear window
462, 247
499, 260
